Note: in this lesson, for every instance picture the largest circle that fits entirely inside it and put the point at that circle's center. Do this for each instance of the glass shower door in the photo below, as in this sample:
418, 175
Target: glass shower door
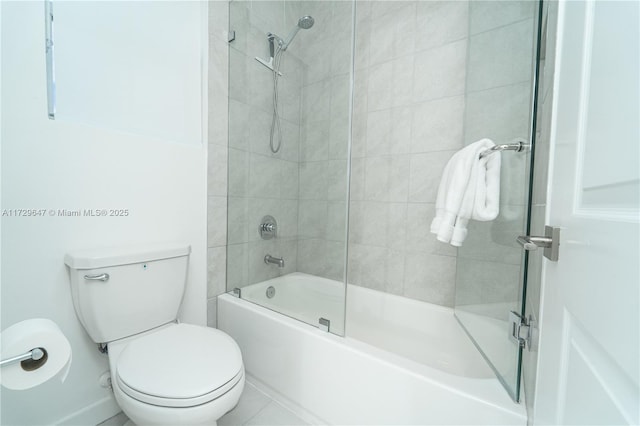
289, 108
500, 92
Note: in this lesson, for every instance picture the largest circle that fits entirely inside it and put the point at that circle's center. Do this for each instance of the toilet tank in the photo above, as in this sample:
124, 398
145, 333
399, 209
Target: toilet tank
118, 292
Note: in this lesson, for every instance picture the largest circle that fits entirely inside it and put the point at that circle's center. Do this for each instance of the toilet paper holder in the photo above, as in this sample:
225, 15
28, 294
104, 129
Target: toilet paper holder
31, 360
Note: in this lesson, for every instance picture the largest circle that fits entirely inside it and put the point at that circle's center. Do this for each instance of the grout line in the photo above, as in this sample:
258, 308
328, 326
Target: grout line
278, 403
415, 104
503, 25
261, 410
504, 86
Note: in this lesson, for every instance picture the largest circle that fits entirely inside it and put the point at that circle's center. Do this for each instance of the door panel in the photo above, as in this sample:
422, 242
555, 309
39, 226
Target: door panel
588, 370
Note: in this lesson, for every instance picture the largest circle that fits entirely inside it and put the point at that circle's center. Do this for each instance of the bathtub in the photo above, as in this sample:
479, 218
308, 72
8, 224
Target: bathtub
401, 361
302, 296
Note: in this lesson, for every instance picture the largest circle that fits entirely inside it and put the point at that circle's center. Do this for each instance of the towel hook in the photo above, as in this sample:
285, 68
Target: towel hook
517, 146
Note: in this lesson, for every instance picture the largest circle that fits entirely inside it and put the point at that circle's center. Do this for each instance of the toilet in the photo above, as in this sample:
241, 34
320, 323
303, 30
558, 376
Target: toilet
162, 372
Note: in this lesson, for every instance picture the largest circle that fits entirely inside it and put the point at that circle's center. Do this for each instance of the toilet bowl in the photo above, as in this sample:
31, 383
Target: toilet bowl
179, 374
162, 372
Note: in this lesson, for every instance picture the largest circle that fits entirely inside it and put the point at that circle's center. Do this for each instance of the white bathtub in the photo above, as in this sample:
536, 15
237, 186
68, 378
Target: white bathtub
402, 362
302, 296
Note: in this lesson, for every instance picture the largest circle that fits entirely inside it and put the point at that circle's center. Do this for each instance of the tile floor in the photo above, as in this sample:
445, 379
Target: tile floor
118, 420
254, 408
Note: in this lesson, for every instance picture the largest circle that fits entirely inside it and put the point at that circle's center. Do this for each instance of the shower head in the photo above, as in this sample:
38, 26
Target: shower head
305, 23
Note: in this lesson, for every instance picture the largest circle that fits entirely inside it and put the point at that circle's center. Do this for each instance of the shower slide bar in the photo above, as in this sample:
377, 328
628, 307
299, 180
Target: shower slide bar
268, 64
517, 146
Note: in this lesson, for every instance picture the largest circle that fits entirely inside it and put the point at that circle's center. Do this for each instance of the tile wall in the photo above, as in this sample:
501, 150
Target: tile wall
431, 77
261, 182
414, 106
498, 104
410, 63
325, 49
304, 186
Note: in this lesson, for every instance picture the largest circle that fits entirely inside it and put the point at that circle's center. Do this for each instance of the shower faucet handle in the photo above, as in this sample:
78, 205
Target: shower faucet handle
268, 228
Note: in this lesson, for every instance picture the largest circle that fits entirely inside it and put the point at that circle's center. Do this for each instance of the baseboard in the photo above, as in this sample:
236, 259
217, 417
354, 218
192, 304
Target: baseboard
92, 414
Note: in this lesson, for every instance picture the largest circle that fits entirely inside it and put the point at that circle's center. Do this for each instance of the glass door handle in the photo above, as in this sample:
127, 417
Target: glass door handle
532, 243
550, 242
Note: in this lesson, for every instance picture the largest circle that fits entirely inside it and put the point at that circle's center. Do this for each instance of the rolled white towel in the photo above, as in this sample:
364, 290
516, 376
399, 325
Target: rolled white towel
487, 200
451, 192
469, 189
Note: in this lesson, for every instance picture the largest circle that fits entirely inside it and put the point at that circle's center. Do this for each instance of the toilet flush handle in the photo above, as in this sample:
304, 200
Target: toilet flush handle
100, 277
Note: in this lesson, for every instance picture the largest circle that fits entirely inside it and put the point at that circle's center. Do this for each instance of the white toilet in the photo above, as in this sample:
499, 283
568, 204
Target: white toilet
162, 372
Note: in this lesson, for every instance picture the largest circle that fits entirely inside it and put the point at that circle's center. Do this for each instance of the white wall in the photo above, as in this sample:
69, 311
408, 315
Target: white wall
142, 91
55, 165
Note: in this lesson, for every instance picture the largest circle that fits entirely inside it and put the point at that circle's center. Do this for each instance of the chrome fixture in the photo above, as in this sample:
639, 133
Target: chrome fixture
271, 291
237, 292
49, 59
277, 47
268, 228
272, 38
304, 23
324, 324
274, 260
550, 242
517, 146
99, 277
29, 360
520, 329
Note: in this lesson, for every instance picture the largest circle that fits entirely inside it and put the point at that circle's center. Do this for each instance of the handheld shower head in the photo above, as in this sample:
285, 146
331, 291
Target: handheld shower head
304, 23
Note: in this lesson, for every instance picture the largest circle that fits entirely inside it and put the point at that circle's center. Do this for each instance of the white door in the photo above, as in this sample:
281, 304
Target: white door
588, 371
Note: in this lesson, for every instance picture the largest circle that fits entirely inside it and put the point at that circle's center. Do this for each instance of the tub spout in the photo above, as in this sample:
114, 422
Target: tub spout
275, 260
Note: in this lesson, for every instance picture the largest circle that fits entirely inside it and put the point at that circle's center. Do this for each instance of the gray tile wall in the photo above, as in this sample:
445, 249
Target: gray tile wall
325, 49
412, 103
261, 182
304, 186
498, 103
408, 120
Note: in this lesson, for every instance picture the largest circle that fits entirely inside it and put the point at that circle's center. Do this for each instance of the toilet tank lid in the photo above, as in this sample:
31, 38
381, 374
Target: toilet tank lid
116, 256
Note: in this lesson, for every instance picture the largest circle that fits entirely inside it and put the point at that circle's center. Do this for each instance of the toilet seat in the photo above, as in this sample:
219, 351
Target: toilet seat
181, 365
182, 402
